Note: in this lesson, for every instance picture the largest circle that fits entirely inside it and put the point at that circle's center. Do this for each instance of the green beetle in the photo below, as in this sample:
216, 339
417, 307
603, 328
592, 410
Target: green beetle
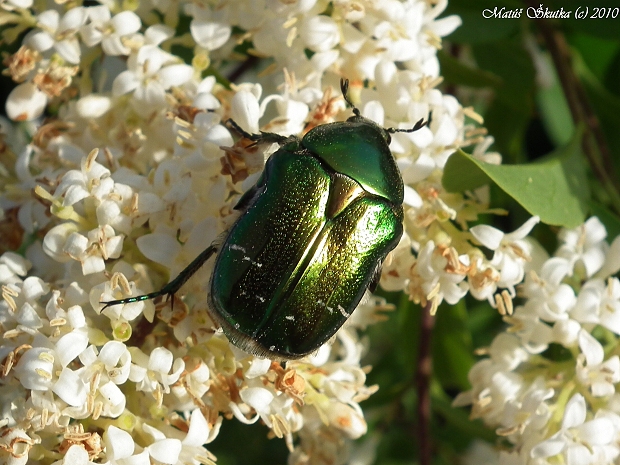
311, 238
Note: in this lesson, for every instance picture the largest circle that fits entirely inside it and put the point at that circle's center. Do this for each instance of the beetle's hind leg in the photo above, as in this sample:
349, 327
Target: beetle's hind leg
263, 137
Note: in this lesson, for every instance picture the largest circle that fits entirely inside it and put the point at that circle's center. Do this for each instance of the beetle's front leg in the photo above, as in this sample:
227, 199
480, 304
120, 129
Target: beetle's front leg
173, 286
263, 137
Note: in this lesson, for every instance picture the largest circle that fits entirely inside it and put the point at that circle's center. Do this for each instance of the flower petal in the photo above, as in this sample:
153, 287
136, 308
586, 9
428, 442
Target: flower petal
70, 346
198, 433
119, 443
160, 360
70, 388
575, 412
166, 450
126, 22
488, 236
256, 397
245, 111
174, 75
124, 83
552, 446
599, 431
26, 102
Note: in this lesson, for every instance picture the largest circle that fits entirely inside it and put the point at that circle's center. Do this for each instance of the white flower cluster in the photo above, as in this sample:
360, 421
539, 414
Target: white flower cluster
135, 174
549, 382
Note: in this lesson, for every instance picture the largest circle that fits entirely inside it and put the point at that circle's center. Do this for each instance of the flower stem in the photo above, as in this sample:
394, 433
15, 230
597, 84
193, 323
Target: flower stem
423, 379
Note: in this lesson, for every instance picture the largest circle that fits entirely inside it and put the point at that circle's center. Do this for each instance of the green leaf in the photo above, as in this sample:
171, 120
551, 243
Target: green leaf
554, 188
511, 107
456, 72
607, 109
512, 63
597, 53
554, 112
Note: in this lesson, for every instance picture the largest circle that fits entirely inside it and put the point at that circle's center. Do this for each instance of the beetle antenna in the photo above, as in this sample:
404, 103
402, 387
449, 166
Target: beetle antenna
263, 137
419, 125
344, 88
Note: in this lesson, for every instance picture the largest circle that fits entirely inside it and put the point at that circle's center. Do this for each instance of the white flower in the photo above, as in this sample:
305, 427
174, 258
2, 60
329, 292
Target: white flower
76, 455
599, 303
396, 34
259, 399
59, 33
189, 449
565, 332
444, 26
245, 109
91, 179
163, 449
208, 28
349, 418
113, 362
194, 383
599, 376
32, 214
395, 272
109, 401
612, 260
585, 245
14, 446
13, 267
25, 102
578, 439
165, 249
546, 280
151, 72
443, 273
152, 373
319, 33
292, 112
120, 448
493, 382
93, 105
108, 31
611, 451
119, 288
64, 243
11, 4
511, 251
39, 369
530, 410
482, 279
161, 189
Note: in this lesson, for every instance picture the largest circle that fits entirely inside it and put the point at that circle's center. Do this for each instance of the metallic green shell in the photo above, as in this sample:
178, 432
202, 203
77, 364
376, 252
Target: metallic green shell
299, 259
358, 148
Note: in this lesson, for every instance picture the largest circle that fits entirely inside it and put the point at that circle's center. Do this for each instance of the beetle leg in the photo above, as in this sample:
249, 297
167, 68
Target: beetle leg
263, 137
173, 286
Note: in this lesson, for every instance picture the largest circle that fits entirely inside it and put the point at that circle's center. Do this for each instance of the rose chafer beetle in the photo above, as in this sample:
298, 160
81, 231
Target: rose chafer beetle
310, 239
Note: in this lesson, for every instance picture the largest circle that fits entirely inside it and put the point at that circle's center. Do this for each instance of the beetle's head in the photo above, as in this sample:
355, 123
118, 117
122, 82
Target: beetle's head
358, 118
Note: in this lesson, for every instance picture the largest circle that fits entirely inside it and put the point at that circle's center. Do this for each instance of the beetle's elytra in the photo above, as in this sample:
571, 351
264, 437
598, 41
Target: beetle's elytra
310, 240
